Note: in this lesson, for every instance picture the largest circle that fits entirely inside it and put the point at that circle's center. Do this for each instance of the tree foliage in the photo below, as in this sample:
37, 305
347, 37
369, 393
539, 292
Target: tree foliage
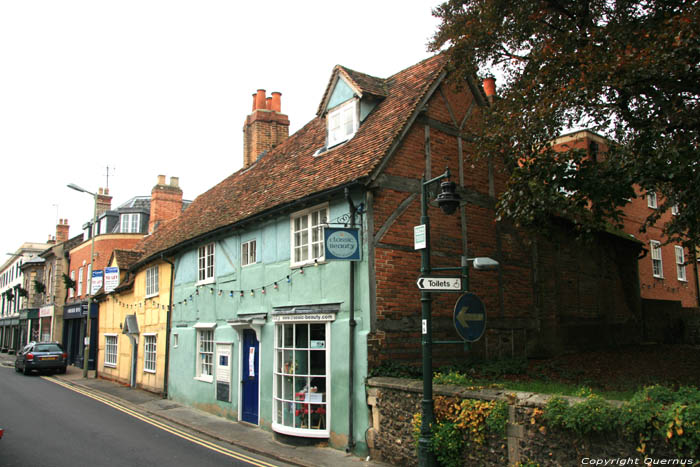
627, 69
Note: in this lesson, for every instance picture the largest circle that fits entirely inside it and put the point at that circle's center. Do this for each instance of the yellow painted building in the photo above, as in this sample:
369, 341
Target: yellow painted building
133, 323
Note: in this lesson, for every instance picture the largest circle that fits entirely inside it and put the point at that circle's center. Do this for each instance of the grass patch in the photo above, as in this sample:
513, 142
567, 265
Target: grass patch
515, 375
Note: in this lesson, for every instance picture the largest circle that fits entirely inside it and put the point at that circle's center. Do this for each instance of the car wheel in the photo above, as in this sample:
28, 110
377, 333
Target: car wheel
27, 371
17, 368
61, 371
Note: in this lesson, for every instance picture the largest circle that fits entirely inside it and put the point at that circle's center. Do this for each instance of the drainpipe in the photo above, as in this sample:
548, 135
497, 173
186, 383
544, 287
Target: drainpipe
167, 327
134, 359
695, 259
351, 336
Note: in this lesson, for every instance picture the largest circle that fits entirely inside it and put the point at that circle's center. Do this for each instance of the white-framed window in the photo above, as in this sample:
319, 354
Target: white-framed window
130, 222
205, 354
88, 280
674, 210
149, 353
307, 235
152, 281
71, 291
80, 281
111, 350
680, 263
205, 263
656, 261
651, 199
342, 122
248, 253
103, 225
301, 391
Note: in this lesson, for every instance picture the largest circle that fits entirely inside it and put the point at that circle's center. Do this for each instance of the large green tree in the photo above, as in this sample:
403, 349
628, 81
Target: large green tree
629, 70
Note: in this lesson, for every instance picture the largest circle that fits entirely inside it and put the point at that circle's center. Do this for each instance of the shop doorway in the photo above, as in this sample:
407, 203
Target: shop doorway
250, 377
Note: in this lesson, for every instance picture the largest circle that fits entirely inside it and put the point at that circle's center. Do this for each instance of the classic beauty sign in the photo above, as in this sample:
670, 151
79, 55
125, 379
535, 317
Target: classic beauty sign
342, 243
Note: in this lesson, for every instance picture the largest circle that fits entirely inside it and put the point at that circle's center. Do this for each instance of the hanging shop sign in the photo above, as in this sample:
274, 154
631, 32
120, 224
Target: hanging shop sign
342, 243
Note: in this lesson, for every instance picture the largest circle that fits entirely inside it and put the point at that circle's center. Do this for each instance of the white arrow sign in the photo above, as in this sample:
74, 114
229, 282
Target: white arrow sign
453, 284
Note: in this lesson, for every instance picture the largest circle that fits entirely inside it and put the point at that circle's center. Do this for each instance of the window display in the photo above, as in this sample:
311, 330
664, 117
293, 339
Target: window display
301, 393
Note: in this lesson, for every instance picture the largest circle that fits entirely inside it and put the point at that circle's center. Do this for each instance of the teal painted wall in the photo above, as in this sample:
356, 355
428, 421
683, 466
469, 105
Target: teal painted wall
322, 284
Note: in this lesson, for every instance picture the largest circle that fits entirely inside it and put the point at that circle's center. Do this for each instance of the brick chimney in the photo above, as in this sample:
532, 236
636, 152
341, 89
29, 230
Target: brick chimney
166, 202
62, 230
104, 201
490, 88
265, 127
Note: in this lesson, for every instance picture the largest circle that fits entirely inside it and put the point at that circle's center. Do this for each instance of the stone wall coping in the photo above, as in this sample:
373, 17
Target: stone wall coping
520, 398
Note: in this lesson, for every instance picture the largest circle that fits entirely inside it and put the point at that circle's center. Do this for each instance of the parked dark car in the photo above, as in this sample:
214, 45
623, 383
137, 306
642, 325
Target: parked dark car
41, 356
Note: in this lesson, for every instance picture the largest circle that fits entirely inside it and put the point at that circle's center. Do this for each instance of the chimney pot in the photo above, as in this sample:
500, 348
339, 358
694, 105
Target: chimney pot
260, 99
99, 191
106, 191
277, 101
161, 179
490, 87
175, 181
268, 103
255, 98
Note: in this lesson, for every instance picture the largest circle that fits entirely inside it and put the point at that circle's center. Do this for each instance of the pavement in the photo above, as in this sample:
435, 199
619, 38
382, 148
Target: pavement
245, 436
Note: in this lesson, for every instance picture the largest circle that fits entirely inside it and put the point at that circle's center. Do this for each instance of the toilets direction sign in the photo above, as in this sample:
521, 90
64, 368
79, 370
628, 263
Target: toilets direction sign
443, 284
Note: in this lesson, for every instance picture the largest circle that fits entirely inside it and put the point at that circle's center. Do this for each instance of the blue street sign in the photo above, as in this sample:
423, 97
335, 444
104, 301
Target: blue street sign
342, 243
470, 317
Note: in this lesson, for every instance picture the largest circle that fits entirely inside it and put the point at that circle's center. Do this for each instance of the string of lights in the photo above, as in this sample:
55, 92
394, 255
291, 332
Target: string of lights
213, 289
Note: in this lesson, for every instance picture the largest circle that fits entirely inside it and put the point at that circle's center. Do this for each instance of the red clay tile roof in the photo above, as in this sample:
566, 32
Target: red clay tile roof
126, 258
290, 171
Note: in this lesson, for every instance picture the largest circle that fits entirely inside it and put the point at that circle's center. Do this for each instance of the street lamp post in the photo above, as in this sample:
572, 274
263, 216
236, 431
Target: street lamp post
86, 351
448, 201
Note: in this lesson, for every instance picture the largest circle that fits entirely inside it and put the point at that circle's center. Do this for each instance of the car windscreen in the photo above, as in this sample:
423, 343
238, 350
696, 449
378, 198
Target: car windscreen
47, 348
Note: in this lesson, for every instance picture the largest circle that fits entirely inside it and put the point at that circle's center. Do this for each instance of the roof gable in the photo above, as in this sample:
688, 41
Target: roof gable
342, 92
359, 84
291, 172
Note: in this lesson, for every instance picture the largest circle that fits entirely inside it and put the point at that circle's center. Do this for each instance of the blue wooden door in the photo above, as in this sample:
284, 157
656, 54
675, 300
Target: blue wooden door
250, 378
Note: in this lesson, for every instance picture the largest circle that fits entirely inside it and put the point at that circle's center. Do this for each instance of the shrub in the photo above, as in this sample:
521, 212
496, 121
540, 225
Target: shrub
653, 413
593, 415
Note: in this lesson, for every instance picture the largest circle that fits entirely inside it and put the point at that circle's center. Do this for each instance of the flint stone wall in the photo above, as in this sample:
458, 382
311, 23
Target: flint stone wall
394, 401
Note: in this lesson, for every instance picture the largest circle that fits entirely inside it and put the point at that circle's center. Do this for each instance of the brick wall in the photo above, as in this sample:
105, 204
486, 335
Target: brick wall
668, 287
104, 246
549, 295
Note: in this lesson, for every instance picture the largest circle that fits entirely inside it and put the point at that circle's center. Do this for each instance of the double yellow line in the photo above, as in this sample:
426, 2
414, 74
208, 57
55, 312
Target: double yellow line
162, 426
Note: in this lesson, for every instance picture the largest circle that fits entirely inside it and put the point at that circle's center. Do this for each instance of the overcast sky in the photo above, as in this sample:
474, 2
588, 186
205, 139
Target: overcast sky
163, 87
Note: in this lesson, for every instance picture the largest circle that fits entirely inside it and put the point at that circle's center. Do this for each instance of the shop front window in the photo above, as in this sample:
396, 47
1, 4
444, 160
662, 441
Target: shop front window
302, 389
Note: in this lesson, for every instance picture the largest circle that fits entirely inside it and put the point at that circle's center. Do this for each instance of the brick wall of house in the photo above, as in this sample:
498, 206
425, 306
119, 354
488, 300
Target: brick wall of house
549, 295
104, 245
669, 286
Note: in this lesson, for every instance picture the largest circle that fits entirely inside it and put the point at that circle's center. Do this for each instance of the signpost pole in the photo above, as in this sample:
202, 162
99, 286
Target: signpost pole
426, 458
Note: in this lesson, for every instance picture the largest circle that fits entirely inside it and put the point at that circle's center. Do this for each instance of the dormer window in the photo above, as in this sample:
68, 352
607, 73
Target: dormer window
130, 223
342, 122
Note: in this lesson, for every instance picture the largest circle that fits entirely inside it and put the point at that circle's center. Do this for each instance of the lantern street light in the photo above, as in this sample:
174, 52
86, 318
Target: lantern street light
86, 351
